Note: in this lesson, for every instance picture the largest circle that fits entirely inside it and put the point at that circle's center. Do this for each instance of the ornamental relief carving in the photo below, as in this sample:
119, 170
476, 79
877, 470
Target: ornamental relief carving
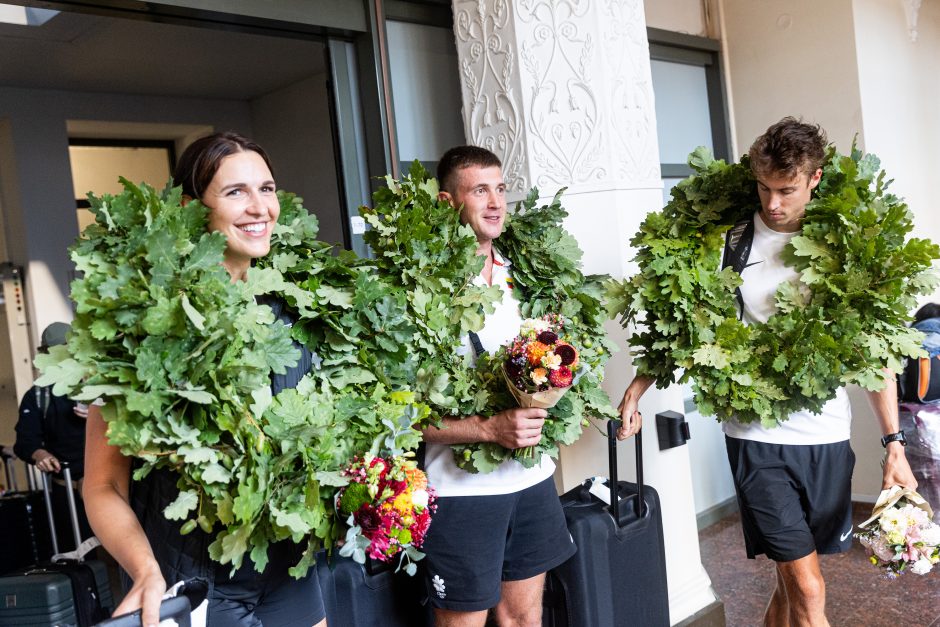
629, 91
558, 58
559, 89
492, 106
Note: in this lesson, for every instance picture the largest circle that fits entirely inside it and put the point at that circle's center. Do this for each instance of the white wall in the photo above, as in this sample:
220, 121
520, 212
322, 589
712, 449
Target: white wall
293, 125
900, 88
680, 16
792, 57
425, 90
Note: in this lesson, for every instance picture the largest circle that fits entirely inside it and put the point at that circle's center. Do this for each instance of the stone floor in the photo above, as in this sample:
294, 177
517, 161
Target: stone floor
857, 596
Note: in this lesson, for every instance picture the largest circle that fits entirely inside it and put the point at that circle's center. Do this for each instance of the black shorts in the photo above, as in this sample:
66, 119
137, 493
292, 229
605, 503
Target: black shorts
272, 598
794, 498
477, 542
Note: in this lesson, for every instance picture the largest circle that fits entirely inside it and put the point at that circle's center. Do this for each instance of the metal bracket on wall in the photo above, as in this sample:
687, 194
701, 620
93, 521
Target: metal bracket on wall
671, 429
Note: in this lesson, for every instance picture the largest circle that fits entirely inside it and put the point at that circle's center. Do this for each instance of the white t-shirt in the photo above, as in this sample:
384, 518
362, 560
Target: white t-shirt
763, 273
443, 474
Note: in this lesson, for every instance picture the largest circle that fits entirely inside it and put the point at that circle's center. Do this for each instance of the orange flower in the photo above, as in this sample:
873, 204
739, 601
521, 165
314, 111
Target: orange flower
534, 353
416, 479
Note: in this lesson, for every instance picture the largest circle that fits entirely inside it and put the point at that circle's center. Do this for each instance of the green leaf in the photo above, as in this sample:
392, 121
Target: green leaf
180, 508
194, 316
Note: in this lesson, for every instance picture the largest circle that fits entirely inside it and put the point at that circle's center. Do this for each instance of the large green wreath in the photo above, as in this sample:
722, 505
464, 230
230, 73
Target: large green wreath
843, 320
420, 245
183, 358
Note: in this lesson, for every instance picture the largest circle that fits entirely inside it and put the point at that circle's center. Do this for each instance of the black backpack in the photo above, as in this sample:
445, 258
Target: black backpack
920, 380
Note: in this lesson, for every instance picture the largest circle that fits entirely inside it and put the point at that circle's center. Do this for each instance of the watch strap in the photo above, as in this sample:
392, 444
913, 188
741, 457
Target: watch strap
894, 437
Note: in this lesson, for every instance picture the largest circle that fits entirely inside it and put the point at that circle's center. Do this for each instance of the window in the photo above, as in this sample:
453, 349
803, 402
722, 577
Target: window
690, 103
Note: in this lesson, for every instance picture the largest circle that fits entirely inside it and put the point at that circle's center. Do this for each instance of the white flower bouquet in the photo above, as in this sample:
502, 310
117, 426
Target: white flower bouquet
900, 534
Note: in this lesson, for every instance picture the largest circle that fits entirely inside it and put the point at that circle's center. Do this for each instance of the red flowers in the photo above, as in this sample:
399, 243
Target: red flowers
389, 505
561, 377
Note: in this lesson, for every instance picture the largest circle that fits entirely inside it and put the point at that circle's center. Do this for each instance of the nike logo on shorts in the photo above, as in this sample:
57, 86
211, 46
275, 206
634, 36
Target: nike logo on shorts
845, 535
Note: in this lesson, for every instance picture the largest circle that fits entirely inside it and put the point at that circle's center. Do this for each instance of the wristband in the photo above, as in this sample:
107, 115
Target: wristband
894, 437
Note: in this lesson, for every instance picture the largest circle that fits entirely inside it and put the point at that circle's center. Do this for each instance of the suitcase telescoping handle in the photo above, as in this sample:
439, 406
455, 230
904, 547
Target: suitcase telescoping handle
639, 507
73, 508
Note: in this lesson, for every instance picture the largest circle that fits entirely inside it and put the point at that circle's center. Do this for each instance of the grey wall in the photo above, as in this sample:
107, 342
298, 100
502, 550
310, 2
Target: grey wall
39, 205
293, 125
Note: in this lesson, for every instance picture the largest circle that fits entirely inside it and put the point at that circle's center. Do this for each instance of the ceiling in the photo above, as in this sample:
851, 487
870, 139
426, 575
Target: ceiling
74, 51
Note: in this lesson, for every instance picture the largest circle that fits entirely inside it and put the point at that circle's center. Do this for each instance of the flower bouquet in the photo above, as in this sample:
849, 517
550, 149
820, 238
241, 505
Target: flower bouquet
540, 364
388, 506
900, 534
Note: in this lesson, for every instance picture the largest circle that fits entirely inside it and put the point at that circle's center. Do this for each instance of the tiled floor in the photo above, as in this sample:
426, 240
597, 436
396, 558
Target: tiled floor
856, 595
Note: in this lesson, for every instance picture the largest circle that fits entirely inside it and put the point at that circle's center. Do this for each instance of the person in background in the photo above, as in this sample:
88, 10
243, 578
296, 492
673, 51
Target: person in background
50, 431
927, 320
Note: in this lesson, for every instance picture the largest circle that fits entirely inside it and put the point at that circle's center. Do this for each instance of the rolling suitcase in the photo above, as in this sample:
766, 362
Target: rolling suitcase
618, 576
64, 591
23, 526
369, 595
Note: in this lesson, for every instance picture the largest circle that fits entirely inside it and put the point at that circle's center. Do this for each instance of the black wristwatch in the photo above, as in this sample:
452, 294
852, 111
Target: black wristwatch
894, 437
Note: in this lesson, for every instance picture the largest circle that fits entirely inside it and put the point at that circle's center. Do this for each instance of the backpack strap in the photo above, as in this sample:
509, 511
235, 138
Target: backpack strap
476, 344
738, 242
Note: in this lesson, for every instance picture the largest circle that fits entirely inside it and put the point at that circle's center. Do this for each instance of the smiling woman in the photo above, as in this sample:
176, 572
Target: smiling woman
232, 178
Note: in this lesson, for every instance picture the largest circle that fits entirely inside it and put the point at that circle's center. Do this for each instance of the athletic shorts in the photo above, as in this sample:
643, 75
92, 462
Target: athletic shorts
272, 598
477, 542
794, 498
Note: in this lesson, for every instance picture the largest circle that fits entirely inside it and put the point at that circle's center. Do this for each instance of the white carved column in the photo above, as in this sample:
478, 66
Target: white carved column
561, 91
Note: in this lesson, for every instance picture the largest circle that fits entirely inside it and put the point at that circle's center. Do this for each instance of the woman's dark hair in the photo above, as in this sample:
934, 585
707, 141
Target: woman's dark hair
201, 160
930, 310
789, 147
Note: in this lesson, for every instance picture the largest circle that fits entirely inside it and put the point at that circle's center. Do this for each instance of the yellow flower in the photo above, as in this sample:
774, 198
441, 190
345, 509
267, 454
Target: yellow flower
403, 502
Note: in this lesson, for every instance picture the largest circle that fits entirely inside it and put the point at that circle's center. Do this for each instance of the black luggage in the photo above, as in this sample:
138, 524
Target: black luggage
24, 529
64, 591
369, 595
23, 522
618, 576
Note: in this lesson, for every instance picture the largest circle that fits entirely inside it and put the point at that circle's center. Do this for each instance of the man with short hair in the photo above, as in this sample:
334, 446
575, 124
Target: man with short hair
793, 480
496, 534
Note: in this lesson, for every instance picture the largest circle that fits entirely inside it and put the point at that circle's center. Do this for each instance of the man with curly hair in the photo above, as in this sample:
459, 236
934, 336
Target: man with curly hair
793, 480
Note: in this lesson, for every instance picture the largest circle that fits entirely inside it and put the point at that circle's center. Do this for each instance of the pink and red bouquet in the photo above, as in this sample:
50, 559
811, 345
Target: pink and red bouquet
900, 534
388, 505
541, 364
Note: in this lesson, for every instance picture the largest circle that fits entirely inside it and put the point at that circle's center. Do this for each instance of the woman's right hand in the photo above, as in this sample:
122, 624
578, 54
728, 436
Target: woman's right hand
145, 595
